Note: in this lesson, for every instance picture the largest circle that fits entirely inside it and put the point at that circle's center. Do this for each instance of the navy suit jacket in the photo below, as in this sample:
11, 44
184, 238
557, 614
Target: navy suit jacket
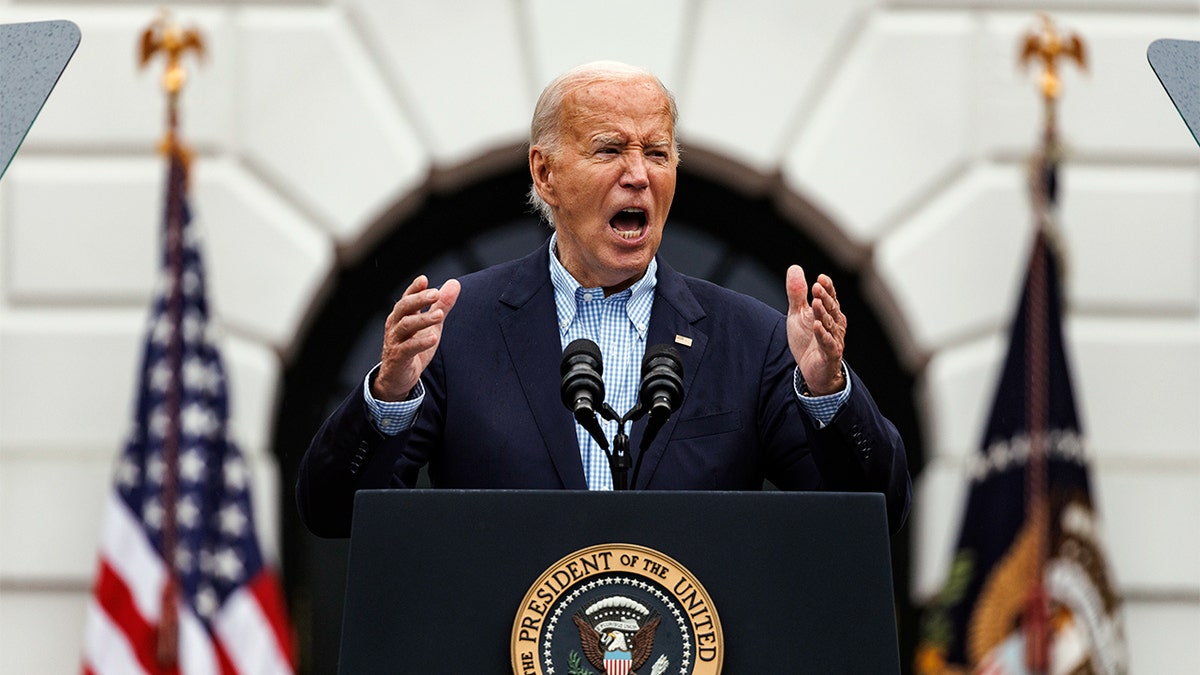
493, 415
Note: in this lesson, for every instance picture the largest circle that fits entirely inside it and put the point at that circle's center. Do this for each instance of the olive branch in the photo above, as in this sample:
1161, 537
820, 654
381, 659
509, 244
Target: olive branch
575, 665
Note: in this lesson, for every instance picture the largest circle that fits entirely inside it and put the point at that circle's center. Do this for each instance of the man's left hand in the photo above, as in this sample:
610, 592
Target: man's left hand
816, 332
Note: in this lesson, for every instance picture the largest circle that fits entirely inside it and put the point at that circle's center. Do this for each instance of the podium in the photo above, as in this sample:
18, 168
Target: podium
795, 582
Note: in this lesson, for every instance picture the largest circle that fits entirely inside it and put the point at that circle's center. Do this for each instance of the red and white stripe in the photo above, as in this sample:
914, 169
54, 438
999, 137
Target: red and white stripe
617, 666
250, 634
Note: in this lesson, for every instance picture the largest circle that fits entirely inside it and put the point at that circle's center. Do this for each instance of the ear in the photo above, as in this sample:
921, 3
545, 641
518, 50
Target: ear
543, 177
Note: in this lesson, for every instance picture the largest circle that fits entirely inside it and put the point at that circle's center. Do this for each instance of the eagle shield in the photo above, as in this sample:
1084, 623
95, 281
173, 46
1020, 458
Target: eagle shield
616, 634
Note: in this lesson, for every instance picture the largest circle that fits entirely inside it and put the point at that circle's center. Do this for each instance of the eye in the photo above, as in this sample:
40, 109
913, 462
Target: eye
608, 151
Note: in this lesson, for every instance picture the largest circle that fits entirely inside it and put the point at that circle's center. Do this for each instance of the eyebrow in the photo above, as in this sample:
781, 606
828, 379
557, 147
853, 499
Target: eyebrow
618, 139
609, 139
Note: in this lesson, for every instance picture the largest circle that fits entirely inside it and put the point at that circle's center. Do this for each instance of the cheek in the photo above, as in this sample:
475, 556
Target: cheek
664, 196
587, 191
664, 185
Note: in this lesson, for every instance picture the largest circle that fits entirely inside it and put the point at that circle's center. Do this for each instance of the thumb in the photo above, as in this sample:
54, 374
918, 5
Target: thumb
447, 295
797, 290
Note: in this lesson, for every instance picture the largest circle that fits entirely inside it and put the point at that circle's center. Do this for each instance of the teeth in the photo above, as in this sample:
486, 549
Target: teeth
639, 215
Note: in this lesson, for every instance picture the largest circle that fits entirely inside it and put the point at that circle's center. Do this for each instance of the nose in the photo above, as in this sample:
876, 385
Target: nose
636, 175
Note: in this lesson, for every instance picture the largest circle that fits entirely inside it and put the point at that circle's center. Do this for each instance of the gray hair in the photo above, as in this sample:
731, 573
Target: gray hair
546, 128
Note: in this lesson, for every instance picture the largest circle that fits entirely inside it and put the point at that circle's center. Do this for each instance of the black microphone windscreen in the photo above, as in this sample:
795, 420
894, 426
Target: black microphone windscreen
582, 347
659, 352
582, 386
662, 380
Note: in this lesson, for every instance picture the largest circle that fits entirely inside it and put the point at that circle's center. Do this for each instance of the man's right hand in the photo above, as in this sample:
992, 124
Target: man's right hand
411, 336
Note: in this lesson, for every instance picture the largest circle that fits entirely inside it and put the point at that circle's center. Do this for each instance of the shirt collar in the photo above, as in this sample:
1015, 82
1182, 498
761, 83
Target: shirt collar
638, 298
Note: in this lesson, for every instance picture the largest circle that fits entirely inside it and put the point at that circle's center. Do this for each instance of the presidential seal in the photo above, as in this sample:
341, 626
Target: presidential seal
617, 609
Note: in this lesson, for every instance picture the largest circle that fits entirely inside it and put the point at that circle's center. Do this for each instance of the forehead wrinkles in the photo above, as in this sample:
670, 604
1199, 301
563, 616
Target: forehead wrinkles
619, 109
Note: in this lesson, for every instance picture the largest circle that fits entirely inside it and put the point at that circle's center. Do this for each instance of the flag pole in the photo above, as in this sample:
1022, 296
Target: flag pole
1048, 46
165, 37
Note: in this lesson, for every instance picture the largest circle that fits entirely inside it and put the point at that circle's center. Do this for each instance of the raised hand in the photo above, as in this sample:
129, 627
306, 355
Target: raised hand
411, 336
816, 332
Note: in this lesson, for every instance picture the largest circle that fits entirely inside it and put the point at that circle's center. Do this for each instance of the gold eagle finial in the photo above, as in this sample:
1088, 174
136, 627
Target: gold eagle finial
1048, 45
165, 36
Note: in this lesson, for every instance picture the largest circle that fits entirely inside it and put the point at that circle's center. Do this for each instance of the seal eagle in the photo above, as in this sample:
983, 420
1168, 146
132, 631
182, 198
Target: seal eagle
595, 644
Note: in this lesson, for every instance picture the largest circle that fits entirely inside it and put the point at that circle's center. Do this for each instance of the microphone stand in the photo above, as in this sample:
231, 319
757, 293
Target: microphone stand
619, 459
662, 388
647, 438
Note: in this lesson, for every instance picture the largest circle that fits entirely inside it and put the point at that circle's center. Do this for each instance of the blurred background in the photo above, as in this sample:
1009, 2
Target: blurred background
342, 147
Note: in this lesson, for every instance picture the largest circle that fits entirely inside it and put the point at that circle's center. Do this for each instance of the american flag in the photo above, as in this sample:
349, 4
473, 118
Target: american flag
181, 585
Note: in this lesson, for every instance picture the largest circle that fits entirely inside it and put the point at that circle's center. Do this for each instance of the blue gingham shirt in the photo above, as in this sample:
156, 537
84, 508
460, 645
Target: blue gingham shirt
618, 325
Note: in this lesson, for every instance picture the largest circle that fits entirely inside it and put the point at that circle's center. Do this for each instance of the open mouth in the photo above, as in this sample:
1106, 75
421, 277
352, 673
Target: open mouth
629, 223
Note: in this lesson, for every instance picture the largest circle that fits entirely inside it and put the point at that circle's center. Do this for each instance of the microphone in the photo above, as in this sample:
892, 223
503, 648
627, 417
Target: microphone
661, 394
662, 388
582, 387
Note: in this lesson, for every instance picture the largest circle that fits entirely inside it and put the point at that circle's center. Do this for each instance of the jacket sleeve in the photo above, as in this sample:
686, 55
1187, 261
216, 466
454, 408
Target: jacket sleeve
346, 455
858, 451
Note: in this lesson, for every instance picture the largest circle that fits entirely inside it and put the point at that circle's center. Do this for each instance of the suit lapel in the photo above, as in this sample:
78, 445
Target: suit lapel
528, 322
674, 320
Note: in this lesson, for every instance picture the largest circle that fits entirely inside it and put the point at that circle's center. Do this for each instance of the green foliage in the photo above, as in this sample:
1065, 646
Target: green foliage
575, 665
937, 627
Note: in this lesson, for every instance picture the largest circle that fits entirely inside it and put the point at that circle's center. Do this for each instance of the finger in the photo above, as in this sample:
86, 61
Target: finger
824, 291
405, 350
797, 290
834, 324
408, 326
415, 299
827, 284
421, 310
830, 341
420, 283
418, 297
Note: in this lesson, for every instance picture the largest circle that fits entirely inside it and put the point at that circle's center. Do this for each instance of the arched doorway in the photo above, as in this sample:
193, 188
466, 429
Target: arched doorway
740, 242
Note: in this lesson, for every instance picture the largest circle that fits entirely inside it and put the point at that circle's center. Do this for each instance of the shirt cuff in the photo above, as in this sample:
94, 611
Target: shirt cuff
392, 417
821, 408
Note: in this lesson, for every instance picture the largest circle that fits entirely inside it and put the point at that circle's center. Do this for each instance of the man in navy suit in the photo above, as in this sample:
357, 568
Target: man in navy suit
468, 381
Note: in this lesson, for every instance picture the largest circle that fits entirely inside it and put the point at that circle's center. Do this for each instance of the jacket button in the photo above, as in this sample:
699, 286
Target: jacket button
360, 456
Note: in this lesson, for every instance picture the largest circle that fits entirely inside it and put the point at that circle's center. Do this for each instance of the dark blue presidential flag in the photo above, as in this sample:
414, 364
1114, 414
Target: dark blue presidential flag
1028, 588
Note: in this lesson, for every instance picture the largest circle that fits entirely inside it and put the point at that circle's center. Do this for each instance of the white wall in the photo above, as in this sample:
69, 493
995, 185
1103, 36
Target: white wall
906, 122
